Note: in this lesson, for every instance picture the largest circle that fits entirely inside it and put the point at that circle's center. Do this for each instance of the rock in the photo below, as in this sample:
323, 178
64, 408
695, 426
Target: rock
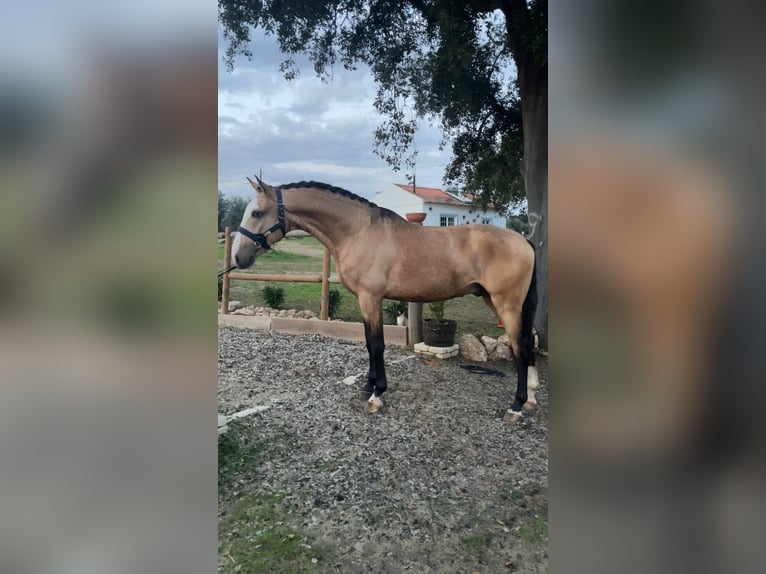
501, 352
504, 339
243, 312
489, 343
234, 305
472, 349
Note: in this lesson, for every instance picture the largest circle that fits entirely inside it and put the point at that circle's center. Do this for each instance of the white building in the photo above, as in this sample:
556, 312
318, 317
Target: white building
441, 208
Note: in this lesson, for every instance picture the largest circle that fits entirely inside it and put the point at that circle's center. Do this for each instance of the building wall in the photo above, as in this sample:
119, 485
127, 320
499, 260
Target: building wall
401, 202
398, 200
464, 214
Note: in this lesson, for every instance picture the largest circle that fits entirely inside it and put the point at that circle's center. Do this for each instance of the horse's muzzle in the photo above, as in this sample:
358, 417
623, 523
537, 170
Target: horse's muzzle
245, 262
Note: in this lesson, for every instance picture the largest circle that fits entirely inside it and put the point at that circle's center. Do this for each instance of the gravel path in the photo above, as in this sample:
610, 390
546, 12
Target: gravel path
436, 482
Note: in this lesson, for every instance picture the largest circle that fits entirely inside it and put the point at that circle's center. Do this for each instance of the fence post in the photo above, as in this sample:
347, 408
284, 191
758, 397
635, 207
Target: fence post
415, 317
226, 265
325, 305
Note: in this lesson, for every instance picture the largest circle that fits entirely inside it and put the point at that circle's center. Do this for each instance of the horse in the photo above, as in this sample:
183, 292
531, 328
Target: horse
381, 255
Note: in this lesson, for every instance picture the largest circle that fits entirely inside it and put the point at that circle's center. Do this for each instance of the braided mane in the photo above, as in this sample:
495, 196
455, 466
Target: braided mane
381, 211
331, 189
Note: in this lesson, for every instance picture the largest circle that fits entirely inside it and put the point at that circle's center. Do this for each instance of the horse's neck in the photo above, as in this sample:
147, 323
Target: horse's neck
331, 219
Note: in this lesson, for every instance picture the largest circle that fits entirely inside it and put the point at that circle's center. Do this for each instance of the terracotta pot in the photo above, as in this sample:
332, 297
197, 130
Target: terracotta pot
416, 216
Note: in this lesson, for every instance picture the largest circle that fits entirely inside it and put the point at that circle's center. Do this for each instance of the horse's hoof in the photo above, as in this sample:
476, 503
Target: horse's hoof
367, 391
374, 404
530, 406
512, 417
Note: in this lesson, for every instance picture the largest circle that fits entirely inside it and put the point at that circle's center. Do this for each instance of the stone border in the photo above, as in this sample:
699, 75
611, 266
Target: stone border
394, 335
437, 352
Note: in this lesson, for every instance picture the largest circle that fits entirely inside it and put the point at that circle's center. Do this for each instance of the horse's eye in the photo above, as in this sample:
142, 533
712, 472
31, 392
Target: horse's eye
257, 214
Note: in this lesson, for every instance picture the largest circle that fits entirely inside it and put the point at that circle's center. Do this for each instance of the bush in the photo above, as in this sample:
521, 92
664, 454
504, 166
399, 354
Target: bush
392, 309
220, 288
273, 296
437, 310
333, 302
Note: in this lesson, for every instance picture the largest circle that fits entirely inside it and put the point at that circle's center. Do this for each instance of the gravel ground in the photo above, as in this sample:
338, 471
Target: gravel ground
435, 482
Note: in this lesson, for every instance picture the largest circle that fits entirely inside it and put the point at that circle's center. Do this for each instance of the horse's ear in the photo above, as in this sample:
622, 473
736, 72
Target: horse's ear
256, 186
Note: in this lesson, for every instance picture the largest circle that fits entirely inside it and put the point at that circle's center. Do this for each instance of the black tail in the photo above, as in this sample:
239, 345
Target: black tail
527, 338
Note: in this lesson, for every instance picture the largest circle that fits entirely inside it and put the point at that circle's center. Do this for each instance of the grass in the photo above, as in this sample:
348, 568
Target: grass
470, 312
254, 538
237, 455
254, 535
534, 529
475, 544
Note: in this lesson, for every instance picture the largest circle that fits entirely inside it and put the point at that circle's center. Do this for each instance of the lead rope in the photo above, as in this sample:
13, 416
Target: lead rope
225, 271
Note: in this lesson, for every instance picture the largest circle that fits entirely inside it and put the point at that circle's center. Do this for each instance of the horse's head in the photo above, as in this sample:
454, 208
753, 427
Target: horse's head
264, 216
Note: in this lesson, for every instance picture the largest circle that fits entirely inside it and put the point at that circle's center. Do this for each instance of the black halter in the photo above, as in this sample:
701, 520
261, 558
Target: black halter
260, 239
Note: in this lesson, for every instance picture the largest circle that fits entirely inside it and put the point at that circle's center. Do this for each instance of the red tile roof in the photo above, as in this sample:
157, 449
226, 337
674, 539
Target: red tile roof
432, 195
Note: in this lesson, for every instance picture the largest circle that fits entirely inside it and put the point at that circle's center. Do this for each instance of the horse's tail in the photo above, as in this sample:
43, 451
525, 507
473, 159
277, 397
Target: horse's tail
528, 308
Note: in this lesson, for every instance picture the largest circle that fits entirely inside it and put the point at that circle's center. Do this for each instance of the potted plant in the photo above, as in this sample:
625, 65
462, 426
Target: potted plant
438, 331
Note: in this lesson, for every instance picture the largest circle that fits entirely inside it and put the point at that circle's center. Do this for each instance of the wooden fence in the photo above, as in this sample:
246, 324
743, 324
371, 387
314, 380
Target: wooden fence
324, 278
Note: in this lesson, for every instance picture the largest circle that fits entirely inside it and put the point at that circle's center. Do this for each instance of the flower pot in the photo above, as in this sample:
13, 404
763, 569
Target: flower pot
439, 332
416, 216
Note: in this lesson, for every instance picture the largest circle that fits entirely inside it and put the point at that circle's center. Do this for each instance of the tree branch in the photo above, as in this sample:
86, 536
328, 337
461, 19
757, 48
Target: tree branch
485, 6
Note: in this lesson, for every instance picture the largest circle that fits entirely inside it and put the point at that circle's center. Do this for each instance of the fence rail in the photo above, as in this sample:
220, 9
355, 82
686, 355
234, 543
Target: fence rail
324, 278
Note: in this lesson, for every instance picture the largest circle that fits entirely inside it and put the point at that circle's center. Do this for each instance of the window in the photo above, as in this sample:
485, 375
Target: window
446, 220
486, 221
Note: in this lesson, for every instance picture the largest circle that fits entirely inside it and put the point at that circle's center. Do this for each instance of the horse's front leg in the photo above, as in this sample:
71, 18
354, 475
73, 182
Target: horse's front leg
372, 314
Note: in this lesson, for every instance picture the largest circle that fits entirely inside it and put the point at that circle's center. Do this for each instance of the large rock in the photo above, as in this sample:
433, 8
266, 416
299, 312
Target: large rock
489, 343
504, 339
234, 305
501, 352
472, 349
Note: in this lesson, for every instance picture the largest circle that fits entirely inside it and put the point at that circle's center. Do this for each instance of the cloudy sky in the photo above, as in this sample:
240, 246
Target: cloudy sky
305, 129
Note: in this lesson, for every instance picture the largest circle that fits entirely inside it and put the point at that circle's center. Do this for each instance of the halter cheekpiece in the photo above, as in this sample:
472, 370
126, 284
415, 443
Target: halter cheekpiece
260, 239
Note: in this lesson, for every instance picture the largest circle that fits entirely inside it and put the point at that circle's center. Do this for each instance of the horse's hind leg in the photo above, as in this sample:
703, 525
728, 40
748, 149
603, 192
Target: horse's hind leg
524, 355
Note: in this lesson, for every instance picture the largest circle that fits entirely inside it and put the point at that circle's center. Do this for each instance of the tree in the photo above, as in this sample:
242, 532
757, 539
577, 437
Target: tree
451, 61
234, 211
223, 205
519, 223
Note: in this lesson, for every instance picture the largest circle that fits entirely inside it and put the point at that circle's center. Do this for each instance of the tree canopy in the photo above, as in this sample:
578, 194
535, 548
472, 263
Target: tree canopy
449, 61
479, 68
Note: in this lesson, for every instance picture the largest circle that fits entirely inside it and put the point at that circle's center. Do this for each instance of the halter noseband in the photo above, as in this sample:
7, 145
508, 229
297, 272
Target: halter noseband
260, 239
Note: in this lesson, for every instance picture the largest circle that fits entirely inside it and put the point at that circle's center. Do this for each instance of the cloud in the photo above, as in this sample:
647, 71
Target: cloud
306, 128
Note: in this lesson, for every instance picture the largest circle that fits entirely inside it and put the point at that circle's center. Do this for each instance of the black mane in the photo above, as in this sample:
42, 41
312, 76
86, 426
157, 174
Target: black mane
342, 192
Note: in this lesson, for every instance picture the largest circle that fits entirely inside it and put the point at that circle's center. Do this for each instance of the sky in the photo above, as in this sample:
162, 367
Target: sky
305, 129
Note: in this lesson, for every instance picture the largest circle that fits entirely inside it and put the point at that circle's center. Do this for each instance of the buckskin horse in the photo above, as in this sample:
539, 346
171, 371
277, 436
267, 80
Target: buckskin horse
380, 255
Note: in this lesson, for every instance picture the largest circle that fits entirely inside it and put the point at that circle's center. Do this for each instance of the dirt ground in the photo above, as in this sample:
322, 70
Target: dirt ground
436, 482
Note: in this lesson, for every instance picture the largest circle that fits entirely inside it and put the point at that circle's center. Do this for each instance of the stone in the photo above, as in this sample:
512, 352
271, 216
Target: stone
489, 343
437, 352
504, 339
421, 347
243, 312
501, 352
472, 349
234, 305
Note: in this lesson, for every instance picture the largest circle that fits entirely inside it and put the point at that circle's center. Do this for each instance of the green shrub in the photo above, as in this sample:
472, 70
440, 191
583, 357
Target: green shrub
273, 296
392, 309
333, 302
437, 310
